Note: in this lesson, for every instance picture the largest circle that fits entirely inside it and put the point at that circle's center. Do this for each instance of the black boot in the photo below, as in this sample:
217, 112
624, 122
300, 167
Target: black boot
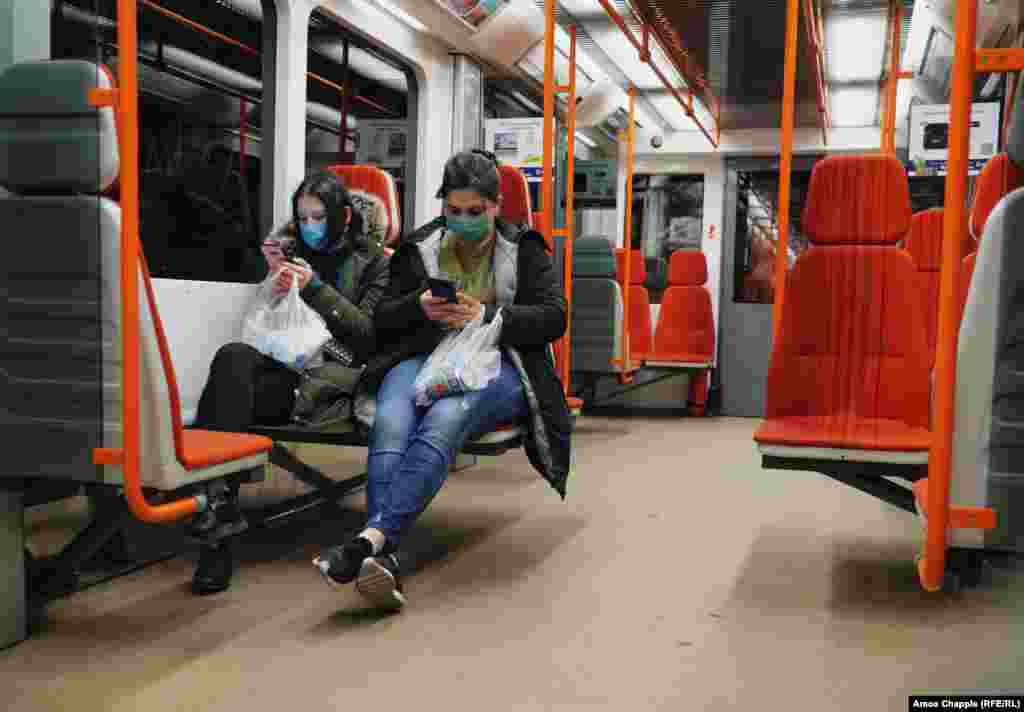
215, 568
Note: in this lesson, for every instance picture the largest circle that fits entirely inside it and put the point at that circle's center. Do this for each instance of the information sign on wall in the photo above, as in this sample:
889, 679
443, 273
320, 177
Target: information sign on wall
518, 142
928, 149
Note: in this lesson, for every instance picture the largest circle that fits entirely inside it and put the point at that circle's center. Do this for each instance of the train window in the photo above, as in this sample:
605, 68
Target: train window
351, 80
668, 215
757, 232
199, 158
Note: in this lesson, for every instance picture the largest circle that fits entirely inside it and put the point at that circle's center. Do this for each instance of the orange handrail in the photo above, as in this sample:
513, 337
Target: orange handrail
645, 57
931, 567
785, 164
203, 29
817, 55
128, 139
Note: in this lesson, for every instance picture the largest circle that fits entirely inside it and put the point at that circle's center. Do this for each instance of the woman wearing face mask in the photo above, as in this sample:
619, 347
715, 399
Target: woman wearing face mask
342, 274
411, 447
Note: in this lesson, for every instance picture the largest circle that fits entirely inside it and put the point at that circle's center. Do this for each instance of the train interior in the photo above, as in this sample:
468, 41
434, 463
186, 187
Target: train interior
758, 356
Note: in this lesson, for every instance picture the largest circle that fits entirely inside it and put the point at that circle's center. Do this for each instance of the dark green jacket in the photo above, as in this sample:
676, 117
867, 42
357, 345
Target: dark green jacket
324, 398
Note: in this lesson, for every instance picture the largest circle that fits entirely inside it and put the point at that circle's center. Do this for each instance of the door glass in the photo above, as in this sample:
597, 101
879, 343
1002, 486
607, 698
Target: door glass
757, 232
668, 215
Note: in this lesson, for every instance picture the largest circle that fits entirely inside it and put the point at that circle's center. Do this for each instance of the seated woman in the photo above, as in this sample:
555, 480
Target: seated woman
342, 274
411, 447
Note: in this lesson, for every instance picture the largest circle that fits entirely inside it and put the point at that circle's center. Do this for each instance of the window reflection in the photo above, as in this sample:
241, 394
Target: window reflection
757, 232
668, 215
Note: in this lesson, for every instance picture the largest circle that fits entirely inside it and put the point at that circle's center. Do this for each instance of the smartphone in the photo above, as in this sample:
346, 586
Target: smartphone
443, 288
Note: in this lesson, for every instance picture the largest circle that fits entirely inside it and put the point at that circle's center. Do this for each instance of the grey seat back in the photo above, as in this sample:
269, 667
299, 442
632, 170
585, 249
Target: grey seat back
53, 147
597, 307
60, 363
988, 443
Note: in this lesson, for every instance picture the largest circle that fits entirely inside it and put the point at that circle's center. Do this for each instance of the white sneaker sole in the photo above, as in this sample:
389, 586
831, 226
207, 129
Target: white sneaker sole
321, 566
378, 586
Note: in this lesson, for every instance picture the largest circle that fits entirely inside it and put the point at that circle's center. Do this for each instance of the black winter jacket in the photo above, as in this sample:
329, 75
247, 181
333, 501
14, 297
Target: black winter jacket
533, 317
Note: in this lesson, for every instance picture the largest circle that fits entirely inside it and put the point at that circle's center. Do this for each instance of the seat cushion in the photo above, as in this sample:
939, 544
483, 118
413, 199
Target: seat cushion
686, 327
924, 245
998, 178
380, 184
637, 269
641, 338
852, 339
205, 448
687, 268
843, 431
515, 196
857, 200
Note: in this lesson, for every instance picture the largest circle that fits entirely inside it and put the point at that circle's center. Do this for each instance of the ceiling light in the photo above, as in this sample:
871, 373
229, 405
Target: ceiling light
855, 45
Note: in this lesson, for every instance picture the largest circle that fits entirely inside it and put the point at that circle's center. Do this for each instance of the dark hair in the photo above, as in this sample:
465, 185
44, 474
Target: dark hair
329, 190
475, 170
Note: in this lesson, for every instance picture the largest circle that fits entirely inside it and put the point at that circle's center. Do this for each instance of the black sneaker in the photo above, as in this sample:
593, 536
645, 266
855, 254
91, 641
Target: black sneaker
340, 565
379, 582
215, 568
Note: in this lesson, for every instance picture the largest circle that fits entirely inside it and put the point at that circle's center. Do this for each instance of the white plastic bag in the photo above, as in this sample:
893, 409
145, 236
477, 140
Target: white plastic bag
466, 360
285, 328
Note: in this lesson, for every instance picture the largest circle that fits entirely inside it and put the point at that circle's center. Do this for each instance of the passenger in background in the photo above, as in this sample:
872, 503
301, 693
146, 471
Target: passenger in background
342, 274
411, 447
759, 283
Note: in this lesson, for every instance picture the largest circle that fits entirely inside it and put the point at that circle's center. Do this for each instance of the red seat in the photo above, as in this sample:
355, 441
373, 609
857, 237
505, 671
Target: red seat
686, 329
998, 178
850, 368
515, 196
640, 329
376, 187
924, 243
685, 334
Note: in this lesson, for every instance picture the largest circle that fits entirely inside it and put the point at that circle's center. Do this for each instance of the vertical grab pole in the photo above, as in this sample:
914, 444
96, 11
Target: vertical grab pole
128, 140
627, 237
785, 164
889, 133
343, 141
243, 105
931, 568
570, 208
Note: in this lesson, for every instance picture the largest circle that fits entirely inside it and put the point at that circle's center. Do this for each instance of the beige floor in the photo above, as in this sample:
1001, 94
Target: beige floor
677, 576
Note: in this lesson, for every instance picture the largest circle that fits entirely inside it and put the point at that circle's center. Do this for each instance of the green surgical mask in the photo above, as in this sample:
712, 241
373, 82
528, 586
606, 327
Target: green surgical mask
470, 228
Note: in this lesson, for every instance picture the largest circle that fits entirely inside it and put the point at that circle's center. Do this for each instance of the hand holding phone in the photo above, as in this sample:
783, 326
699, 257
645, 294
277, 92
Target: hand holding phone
443, 288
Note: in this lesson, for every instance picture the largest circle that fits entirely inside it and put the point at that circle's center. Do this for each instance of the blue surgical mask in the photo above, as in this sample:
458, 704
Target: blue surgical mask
314, 234
469, 227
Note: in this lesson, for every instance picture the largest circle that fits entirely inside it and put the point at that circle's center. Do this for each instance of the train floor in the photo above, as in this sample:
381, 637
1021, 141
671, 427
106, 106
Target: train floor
677, 576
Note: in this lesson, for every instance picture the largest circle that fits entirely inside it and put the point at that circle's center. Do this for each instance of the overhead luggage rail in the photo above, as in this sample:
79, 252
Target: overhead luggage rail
643, 44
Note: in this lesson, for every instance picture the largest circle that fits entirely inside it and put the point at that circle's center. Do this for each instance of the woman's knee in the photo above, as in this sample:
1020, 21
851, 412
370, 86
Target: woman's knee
235, 354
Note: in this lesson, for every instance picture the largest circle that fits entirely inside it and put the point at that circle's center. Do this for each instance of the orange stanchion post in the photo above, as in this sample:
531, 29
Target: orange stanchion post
932, 566
627, 237
128, 455
785, 164
570, 210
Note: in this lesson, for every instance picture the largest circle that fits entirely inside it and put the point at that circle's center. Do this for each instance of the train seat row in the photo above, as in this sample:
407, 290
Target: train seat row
61, 363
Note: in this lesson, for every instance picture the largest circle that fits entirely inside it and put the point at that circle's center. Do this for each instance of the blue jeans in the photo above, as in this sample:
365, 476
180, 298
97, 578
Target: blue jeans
412, 448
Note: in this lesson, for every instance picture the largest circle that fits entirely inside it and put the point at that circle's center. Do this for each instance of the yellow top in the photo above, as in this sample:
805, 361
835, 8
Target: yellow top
479, 283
